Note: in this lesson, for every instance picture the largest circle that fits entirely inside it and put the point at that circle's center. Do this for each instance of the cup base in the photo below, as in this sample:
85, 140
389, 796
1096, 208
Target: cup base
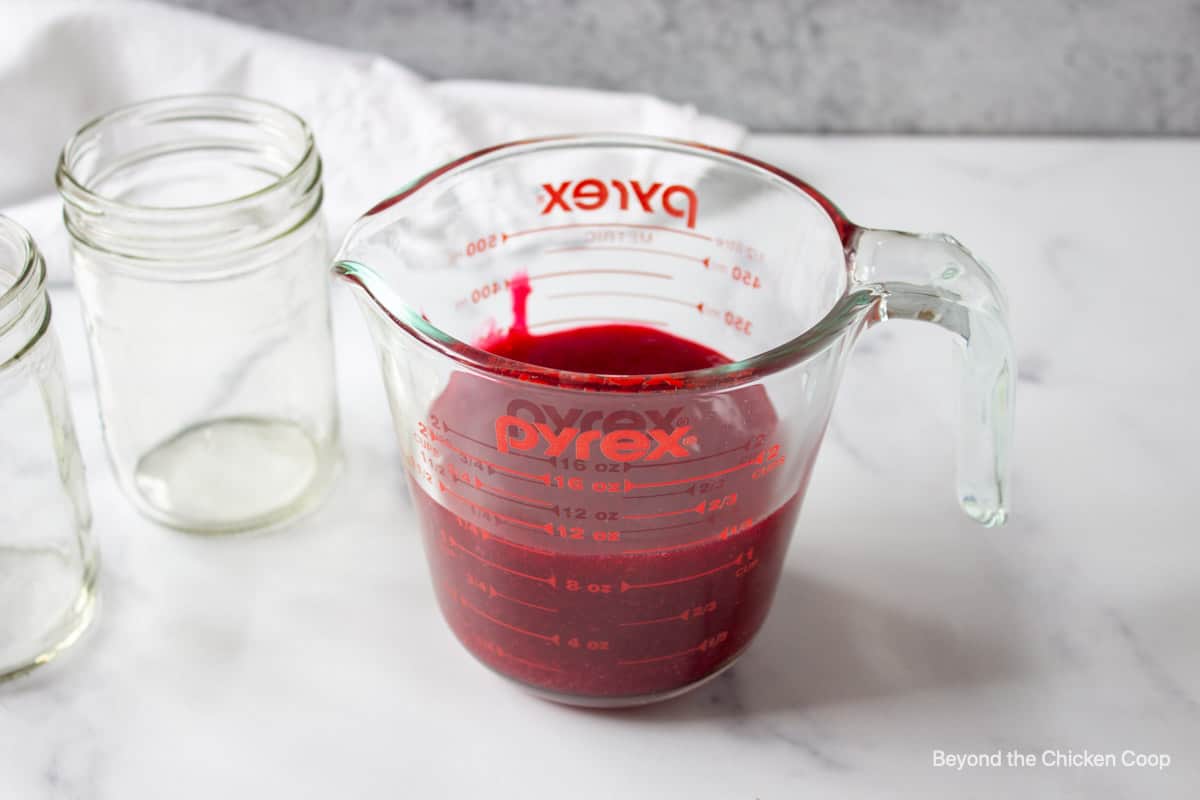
634, 701
233, 475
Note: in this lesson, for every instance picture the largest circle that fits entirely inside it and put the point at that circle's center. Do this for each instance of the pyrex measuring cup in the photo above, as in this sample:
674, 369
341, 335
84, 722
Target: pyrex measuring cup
614, 539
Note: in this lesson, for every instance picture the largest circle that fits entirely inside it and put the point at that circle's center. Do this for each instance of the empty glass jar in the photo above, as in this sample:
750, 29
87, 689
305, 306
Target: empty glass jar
200, 256
47, 563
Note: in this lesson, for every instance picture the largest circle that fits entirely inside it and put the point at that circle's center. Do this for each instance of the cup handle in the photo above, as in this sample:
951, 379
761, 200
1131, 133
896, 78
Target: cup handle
933, 278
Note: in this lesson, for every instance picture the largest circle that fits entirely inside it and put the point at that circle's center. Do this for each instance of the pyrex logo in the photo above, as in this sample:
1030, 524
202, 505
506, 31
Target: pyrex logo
623, 435
592, 193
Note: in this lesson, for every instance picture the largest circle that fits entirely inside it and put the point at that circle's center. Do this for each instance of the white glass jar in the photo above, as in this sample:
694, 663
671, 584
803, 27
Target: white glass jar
200, 256
47, 562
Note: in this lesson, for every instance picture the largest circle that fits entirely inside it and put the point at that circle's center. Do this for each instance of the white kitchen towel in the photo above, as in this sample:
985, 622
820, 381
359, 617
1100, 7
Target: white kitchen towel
378, 125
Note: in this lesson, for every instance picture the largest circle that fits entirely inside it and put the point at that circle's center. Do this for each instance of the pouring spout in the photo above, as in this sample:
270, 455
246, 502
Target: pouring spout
371, 289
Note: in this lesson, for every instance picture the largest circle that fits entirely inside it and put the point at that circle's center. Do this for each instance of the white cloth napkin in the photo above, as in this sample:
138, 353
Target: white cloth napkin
378, 125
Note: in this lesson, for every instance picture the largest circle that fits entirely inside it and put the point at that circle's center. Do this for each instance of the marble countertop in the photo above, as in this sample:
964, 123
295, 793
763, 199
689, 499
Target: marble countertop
312, 662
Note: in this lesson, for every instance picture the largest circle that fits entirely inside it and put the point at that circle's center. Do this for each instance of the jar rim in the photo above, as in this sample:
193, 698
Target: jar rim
16, 298
181, 107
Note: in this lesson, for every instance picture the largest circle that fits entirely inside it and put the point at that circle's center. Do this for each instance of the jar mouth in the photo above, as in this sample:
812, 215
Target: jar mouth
181, 108
189, 177
21, 273
24, 309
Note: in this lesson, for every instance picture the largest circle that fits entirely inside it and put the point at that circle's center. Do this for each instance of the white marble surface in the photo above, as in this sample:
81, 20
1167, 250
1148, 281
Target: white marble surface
312, 662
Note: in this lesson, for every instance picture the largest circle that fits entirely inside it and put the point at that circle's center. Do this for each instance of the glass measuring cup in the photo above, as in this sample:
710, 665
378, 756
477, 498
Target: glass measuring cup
608, 539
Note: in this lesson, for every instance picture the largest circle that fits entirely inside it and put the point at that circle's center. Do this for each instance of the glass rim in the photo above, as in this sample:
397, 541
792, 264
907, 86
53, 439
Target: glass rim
27, 273
847, 308
185, 107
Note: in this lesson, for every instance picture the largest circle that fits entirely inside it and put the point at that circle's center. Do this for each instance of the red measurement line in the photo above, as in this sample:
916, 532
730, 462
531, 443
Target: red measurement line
503, 624
551, 580
752, 462
680, 654
696, 509
546, 526
626, 586
496, 491
571, 295
720, 537
524, 547
527, 662
570, 225
543, 479
547, 322
571, 273
666, 548
488, 445
493, 593
676, 618
492, 647
690, 460
664, 527
627, 249
689, 490
487, 537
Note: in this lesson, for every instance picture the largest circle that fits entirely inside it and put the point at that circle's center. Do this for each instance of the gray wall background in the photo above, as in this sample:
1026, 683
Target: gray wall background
871, 66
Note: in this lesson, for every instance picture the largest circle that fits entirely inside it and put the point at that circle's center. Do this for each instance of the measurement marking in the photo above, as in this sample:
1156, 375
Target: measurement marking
720, 537
504, 494
697, 649
571, 295
690, 490
463, 601
486, 536
626, 586
545, 527
570, 225
758, 460
571, 273
524, 547
627, 249
663, 527
669, 547
696, 509
488, 445
675, 618
543, 479
547, 322
553, 581
526, 661
710, 311
690, 460
493, 593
